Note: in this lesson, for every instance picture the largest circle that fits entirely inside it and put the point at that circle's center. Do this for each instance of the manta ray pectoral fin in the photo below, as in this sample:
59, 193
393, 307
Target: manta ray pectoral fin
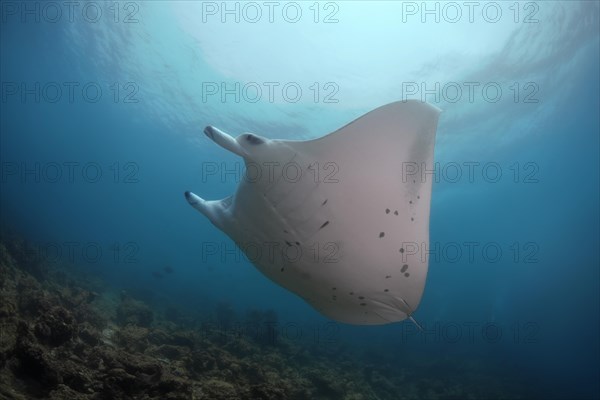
224, 140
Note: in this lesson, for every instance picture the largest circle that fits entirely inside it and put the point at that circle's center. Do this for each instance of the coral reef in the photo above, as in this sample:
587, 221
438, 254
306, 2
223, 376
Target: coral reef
131, 311
67, 339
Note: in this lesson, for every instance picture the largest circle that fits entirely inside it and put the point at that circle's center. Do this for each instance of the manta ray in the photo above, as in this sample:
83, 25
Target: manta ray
343, 220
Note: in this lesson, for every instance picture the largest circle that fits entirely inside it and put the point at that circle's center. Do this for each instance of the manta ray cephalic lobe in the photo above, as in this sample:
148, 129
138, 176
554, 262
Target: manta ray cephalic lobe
341, 220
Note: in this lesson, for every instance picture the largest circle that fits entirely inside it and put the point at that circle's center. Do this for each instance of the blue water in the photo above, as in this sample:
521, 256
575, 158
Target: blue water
81, 176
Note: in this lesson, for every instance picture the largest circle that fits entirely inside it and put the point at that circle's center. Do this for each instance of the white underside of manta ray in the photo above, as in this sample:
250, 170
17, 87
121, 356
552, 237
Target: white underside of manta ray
343, 220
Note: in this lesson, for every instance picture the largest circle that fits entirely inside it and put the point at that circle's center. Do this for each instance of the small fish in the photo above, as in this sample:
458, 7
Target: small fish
157, 274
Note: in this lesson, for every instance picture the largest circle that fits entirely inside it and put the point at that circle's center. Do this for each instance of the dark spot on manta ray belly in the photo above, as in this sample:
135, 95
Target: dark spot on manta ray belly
363, 304
324, 224
325, 202
404, 268
381, 234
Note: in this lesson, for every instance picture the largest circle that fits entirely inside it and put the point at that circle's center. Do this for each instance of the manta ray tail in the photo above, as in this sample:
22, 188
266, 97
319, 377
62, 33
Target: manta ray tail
409, 315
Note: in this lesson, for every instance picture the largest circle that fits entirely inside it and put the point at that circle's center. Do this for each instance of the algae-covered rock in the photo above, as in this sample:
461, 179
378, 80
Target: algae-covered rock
134, 312
31, 362
218, 389
181, 338
132, 338
89, 334
170, 352
56, 326
64, 392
